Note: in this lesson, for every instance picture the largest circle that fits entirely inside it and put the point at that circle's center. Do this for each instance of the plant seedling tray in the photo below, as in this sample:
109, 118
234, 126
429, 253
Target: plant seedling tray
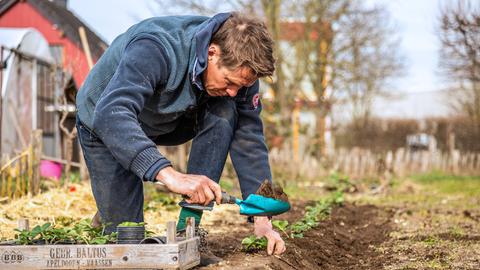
177, 253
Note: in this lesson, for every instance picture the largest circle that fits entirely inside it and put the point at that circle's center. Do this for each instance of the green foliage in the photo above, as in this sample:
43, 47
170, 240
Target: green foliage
227, 184
252, 243
436, 176
457, 231
281, 225
159, 199
313, 214
431, 241
81, 233
131, 224
339, 182
73, 179
450, 184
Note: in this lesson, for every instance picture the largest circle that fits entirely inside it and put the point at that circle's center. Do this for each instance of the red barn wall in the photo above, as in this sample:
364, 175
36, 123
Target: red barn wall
23, 14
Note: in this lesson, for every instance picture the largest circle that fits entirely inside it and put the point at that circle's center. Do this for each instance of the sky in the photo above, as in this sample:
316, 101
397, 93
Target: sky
414, 20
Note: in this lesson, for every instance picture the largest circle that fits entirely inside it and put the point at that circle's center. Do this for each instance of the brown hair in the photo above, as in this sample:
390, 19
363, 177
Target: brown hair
244, 41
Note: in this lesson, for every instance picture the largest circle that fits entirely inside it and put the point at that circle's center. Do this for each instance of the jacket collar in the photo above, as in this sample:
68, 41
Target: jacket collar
202, 40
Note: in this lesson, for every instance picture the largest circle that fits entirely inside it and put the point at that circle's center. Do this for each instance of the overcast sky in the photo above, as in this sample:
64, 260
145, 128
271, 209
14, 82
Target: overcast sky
415, 21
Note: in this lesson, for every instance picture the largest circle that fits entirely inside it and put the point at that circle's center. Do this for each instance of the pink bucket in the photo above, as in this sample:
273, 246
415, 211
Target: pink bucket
50, 169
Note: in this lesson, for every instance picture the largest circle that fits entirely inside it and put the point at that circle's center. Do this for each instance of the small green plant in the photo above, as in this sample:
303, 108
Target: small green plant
457, 231
313, 214
28, 237
339, 182
320, 211
136, 224
131, 224
157, 198
431, 241
252, 243
81, 233
227, 184
281, 225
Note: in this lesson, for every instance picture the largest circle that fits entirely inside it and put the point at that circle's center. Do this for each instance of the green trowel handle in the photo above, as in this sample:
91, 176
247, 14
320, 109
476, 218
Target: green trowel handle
228, 198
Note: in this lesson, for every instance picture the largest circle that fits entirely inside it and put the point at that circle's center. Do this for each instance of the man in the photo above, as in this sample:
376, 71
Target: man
163, 82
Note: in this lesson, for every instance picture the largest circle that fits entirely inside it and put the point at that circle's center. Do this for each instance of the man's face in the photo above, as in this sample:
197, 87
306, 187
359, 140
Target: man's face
220, 81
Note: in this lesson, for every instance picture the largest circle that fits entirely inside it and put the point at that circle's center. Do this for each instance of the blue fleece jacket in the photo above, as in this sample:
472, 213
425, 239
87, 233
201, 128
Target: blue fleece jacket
147, 79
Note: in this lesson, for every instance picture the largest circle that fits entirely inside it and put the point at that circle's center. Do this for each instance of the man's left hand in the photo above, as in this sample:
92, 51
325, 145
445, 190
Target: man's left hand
263, 227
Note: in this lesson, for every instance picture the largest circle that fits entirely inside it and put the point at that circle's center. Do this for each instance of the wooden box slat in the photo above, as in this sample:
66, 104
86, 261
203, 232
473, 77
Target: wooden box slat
183, 254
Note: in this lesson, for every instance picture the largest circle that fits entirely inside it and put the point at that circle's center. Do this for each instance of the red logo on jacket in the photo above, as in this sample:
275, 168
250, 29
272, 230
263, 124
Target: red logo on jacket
255, 101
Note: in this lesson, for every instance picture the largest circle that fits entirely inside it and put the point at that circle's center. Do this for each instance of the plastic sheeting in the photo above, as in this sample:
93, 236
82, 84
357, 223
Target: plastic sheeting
20, 81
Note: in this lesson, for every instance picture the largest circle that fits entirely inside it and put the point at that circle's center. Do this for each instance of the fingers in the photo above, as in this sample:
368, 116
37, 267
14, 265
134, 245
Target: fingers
208, 195
275, 245
203, 190
279, 247
271, 245
199, 188
217, 190
201, 196
208, 190
192, 198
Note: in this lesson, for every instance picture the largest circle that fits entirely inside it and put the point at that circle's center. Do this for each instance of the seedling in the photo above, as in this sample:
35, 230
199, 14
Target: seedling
131, 224
81, 233
136, 224
281, 225
313, 214
252, 243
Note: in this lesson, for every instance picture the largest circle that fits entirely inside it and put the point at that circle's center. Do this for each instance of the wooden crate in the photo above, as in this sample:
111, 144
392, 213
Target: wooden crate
178, 253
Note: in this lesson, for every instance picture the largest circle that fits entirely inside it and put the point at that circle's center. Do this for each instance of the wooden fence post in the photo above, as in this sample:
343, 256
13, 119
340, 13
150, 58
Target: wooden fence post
23, 224
171, 232
190, 233
35, 156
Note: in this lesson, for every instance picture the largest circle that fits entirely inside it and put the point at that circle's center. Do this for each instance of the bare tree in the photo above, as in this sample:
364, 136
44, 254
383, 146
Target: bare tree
271, 10
314, 57
459, 34
316, 53
345, 52
366, 59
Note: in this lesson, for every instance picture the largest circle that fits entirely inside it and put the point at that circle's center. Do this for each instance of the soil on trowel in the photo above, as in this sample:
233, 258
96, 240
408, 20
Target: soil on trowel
272, 191
349, 239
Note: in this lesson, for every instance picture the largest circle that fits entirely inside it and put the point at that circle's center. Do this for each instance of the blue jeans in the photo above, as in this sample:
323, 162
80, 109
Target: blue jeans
119, 192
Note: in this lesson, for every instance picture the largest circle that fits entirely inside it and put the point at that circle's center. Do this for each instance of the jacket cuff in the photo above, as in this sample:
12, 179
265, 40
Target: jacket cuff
145, 159
152, 172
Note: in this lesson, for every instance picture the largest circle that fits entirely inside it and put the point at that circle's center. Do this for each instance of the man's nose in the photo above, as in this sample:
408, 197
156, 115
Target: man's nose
232, 91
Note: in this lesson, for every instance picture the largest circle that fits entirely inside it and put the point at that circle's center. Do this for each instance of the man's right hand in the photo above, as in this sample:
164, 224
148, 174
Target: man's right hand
198, 188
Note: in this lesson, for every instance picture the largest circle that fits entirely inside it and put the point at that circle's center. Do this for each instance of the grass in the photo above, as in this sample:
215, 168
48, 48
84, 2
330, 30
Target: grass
431, 189
227, 184
456, 231
431, 241
430, 220
450, 184
436, 176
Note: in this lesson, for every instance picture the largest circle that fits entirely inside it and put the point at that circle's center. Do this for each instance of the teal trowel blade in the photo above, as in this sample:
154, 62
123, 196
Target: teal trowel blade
256, 205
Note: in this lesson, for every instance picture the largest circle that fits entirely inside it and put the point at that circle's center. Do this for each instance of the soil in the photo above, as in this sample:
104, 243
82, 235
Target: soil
272, 191
348, 240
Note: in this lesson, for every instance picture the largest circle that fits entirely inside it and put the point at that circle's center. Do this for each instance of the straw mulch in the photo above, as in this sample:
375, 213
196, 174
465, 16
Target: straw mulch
76, 202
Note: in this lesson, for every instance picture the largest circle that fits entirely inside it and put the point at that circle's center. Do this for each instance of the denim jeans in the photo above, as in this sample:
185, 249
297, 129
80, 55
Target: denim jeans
119, 192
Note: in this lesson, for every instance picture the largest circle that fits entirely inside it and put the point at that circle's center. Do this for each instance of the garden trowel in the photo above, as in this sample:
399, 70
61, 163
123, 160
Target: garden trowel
253, 205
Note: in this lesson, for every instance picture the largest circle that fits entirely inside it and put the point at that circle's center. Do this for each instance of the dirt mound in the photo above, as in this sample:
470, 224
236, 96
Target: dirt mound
272, 191
346, 241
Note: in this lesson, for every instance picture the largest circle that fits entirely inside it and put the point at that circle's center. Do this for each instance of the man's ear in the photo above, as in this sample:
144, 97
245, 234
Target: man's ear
213, 49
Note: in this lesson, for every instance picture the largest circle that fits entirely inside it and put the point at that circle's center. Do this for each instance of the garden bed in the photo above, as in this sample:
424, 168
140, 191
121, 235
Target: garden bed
346, 240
